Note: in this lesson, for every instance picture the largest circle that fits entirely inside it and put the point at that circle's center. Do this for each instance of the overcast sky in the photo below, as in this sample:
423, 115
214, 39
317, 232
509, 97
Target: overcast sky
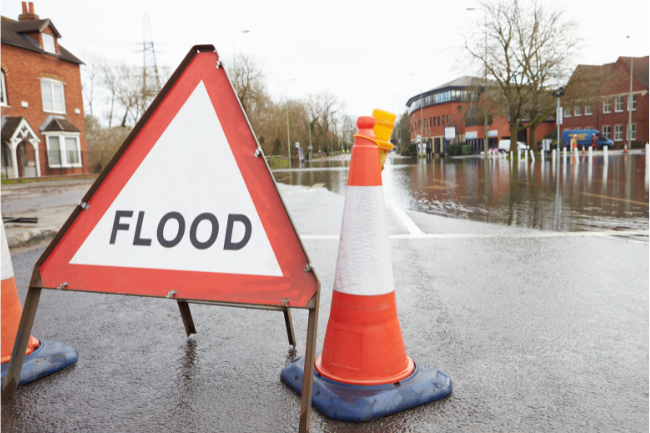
366, 53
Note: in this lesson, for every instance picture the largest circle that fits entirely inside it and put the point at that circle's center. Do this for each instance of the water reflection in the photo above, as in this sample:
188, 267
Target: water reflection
594, 192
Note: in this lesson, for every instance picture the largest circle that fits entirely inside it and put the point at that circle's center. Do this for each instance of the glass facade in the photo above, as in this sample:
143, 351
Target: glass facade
442, 96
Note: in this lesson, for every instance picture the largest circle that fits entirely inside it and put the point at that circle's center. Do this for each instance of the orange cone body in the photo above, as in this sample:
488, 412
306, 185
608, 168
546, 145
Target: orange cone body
363, 342
583, 149
11, 308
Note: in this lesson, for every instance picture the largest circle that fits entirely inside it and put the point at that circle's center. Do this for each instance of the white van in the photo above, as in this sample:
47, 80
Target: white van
504, 146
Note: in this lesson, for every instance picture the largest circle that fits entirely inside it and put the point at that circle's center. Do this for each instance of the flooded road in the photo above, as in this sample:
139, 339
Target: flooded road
595, 194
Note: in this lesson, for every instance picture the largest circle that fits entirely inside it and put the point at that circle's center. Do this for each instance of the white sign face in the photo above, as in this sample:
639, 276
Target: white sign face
471, 135
450, 133
493, 133
297, 145
559, 116
185, 208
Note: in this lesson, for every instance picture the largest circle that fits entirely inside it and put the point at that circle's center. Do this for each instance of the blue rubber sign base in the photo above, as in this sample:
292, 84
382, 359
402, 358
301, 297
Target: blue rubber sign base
48, 358
364, 403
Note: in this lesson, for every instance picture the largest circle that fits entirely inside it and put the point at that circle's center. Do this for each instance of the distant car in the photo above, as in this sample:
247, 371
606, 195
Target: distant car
585, 138
504, 146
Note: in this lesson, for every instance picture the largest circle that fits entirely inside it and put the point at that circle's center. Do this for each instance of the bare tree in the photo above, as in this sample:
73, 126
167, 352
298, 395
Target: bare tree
92, 79
526, 45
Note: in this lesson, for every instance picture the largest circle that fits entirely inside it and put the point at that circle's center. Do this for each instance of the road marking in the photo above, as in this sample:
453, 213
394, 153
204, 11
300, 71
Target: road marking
535, 234
614, 198
413, 229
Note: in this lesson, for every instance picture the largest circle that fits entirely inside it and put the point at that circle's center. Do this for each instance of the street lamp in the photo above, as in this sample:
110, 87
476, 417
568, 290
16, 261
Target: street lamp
421, 117
485, 89
629, 101
234, 56
288, 136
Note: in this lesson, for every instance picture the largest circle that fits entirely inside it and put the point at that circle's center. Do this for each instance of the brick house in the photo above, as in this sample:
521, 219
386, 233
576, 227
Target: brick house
607, 108
41, 101
449, 105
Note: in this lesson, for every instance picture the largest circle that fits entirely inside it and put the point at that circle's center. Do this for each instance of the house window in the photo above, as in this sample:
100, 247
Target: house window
576, 111
618, 104
53, 97
3, 92
588, 111
63, 151
607, 132
607, 105
447, 119
443, 120
567, 113
618, 133
631, 103
48, 43
631, 131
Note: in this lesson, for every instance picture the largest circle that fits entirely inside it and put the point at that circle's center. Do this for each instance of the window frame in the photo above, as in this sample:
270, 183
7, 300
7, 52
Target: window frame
63, 155
588, 111
44, 36
632, 127
607, 134
607, 105
577, 111
618, 130
52, 83
567, 113
3, 101
633, 103
620, 98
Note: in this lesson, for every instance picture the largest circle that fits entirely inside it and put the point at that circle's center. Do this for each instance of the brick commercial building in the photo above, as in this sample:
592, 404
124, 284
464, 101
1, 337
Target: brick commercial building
449, 106
42, 106
598, 97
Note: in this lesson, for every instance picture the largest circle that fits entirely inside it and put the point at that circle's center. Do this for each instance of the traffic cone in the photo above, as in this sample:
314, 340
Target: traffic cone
583, 150
41, 357
625, 148
11, 308
364, 357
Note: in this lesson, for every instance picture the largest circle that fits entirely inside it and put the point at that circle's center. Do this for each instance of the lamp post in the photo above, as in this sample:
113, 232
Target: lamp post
485, 88
421, 118
288, 136
234, 56
629, 102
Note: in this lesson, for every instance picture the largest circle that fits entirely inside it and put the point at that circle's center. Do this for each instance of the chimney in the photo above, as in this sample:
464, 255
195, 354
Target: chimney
28, 15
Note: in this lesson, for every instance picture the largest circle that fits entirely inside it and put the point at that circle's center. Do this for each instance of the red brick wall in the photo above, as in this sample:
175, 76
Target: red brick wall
618, 85
23, 69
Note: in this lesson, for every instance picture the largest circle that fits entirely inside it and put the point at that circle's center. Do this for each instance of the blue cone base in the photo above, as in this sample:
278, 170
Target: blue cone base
48, 358
358, 403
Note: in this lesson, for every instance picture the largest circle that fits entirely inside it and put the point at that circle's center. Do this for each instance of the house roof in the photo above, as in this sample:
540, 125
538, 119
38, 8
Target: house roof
12, 33
58, 125
10, 127
461, 82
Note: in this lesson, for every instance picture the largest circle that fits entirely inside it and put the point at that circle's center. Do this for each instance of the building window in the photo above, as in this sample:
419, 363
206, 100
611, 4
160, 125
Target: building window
447, 119
53, 97
443, 120
618, 104
607, 106
631, 103
567, 113
63, 151
607, 132
576, 111
631, 131
618, 132
48, 43
3, 92
588, 111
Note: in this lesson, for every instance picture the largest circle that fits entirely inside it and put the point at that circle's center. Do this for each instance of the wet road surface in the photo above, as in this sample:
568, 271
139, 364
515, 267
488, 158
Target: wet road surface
533, 339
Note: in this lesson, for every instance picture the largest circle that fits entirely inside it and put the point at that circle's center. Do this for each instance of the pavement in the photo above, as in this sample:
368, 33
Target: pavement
538, 333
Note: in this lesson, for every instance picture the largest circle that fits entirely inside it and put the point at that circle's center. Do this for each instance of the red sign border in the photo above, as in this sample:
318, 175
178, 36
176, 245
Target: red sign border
296, 297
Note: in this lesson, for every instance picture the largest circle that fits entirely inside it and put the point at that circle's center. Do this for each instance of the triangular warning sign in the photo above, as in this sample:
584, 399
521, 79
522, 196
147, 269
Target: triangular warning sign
186, 205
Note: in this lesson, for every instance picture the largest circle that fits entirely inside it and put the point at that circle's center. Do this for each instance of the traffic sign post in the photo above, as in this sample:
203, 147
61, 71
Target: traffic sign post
218, 233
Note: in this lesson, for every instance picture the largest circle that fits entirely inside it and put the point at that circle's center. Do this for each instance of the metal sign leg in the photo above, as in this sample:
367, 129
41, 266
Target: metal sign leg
20, 345
187, 318
308, 377
289, 323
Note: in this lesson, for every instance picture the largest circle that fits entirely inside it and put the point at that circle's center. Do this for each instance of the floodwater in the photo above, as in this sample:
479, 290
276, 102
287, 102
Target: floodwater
595, 193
